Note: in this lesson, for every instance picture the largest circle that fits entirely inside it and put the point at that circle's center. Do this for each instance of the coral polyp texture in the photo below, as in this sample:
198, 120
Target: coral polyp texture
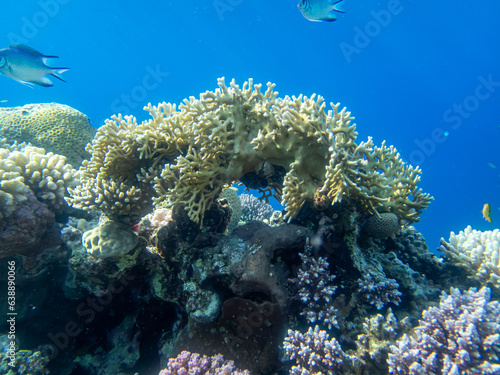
57, 128
291, 148
461, 336
27, 168
32, 190
193, 363
477, 252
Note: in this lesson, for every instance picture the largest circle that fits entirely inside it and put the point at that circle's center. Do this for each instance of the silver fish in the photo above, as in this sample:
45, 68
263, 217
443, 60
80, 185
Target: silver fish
320, 10
28, 66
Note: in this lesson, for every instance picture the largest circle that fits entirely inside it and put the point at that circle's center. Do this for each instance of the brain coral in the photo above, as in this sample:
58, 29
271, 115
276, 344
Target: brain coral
382, 226
292, 146
55, 127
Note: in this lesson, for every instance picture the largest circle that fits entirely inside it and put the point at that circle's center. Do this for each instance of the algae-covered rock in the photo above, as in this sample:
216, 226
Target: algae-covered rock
110, 240
57, 128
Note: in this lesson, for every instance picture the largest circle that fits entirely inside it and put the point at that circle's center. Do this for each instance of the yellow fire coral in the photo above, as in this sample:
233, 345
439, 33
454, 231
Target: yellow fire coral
289, 147
56, 127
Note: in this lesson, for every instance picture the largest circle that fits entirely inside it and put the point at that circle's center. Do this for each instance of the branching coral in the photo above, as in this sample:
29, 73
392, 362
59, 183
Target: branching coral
461, 336
192, 363
192, 152
477, 252
24, 168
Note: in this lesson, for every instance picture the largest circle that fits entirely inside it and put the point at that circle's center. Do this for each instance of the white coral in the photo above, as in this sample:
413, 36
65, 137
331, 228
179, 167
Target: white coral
478, 252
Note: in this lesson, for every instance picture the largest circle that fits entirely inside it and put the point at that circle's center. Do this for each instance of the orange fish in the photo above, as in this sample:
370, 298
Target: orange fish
487, 212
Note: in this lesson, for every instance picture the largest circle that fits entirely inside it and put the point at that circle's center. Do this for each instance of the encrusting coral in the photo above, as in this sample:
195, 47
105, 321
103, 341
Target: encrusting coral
296, 149
57, 128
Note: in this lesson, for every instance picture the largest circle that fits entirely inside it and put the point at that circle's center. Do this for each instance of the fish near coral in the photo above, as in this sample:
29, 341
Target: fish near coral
320, 10
28, 66
487, 212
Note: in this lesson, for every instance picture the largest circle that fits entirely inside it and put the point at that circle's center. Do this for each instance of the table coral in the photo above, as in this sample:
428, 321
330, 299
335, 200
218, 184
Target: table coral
477, 252
293, 145
57, 128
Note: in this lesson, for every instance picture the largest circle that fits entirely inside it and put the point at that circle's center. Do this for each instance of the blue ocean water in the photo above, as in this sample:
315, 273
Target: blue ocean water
422, 75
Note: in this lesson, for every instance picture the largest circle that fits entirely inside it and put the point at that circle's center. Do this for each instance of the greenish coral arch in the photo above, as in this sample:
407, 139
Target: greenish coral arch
185, 156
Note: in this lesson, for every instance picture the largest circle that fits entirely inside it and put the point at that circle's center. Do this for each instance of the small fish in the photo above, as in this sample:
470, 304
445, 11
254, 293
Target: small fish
320, 10
492, 165
28, 66
4, 101
487, 212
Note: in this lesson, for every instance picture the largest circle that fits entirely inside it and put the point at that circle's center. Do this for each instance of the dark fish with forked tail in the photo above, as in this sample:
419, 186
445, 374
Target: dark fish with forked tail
28, 66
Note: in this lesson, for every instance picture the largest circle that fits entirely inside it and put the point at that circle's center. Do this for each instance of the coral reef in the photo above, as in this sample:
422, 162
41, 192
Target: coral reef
316, 289
380, 293
21, 362
292, 146
461, 336
254, 209
192, 363
25, 168
110, 240
55, 127
478, 253
32, 191
120, 358
245, 331
163, 264
234, 201
382, 226
314, 353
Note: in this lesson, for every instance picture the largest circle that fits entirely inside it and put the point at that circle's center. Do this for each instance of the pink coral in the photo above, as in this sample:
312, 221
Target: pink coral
188, 363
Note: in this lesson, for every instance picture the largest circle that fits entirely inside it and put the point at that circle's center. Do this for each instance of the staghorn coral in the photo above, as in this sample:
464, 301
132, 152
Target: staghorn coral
461, 336
477, 252
55, 127
316, 290
379, 293
314, 353
192, 363
372, 346
293, 145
